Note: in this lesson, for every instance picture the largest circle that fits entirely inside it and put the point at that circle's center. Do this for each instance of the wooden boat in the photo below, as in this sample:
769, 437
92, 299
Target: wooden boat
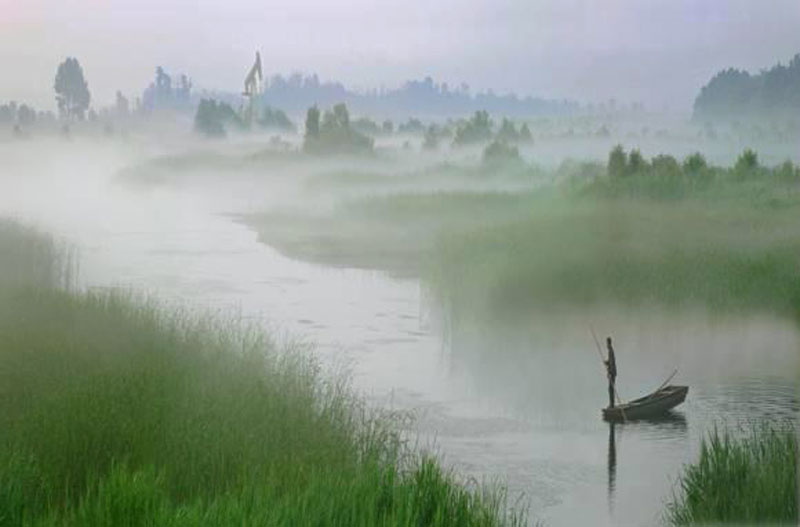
653, 405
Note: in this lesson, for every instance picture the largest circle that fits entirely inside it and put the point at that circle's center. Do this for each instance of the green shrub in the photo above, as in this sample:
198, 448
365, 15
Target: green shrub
212, 117
334, 134
477, 129
664, 178
746, 165
501, 153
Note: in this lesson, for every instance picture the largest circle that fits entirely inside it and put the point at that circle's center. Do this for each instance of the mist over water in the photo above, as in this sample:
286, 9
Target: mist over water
515, 401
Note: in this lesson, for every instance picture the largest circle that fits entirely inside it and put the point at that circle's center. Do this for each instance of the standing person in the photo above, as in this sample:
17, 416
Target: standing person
611, 371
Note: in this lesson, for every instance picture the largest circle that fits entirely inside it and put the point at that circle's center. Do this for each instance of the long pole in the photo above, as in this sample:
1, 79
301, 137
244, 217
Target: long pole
603, 360
597, 343
668, 379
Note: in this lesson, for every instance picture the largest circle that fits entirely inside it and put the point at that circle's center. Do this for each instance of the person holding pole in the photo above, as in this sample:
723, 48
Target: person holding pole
611, 372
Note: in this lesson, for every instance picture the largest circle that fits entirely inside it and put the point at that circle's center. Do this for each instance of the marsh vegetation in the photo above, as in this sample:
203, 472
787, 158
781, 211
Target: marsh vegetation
633, 232
117, 410
750, 479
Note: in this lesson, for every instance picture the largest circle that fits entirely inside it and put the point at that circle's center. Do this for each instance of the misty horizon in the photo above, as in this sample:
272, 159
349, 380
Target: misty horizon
574, 50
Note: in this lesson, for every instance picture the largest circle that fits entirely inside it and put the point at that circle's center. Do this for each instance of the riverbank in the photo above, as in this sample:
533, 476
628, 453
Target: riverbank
116, 410
721, 240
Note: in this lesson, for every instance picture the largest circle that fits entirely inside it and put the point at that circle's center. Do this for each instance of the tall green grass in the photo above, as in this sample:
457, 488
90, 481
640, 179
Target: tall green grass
28, 257
589, 251
395, 233
750, 480
117, 412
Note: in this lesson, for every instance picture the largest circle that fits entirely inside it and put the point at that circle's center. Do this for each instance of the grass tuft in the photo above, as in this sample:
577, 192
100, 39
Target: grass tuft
749, 480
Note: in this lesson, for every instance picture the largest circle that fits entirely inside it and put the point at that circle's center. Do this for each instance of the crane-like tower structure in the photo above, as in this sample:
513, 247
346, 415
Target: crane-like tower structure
253, 88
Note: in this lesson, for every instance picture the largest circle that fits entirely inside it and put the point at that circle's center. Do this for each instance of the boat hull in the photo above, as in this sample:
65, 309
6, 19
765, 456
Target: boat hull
652, 405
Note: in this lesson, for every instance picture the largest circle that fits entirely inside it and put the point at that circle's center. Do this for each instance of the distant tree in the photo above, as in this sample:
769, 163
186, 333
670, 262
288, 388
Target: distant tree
8, 112
212, 116
341, 115
787, 172
163, 94
694, 164
183, 92
525, 133
447, 130
664, 163
26, 115
312, 123
388, 127
746, 164
431, 139
617, 162
335, 134
72, 91
365, 125
206, 120
507, 132
412, 126
275, 119
665, 179
734, 95
476, 130
500, 153
163, 85
636, 163
122, 105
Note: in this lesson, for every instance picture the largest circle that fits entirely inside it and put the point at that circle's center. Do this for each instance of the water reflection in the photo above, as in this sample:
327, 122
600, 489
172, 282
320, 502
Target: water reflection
612, 466
671, 426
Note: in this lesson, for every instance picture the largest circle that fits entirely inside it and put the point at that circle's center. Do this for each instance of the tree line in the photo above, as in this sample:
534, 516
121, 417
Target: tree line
734, 94
665, 177
297, 92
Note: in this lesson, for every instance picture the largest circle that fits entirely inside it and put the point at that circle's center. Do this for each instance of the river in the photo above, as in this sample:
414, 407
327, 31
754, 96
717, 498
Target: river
518, 405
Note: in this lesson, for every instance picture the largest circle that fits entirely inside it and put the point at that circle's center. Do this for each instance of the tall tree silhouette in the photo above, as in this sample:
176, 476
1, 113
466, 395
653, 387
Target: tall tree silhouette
122, 105
72, 91
735, 94
312, 123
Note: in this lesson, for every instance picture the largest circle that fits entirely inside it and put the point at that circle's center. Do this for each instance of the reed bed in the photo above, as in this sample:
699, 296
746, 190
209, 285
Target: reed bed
743, 480
115, 411
626, 252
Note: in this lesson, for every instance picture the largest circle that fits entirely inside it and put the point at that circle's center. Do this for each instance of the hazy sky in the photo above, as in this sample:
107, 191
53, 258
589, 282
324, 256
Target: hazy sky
655, 51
